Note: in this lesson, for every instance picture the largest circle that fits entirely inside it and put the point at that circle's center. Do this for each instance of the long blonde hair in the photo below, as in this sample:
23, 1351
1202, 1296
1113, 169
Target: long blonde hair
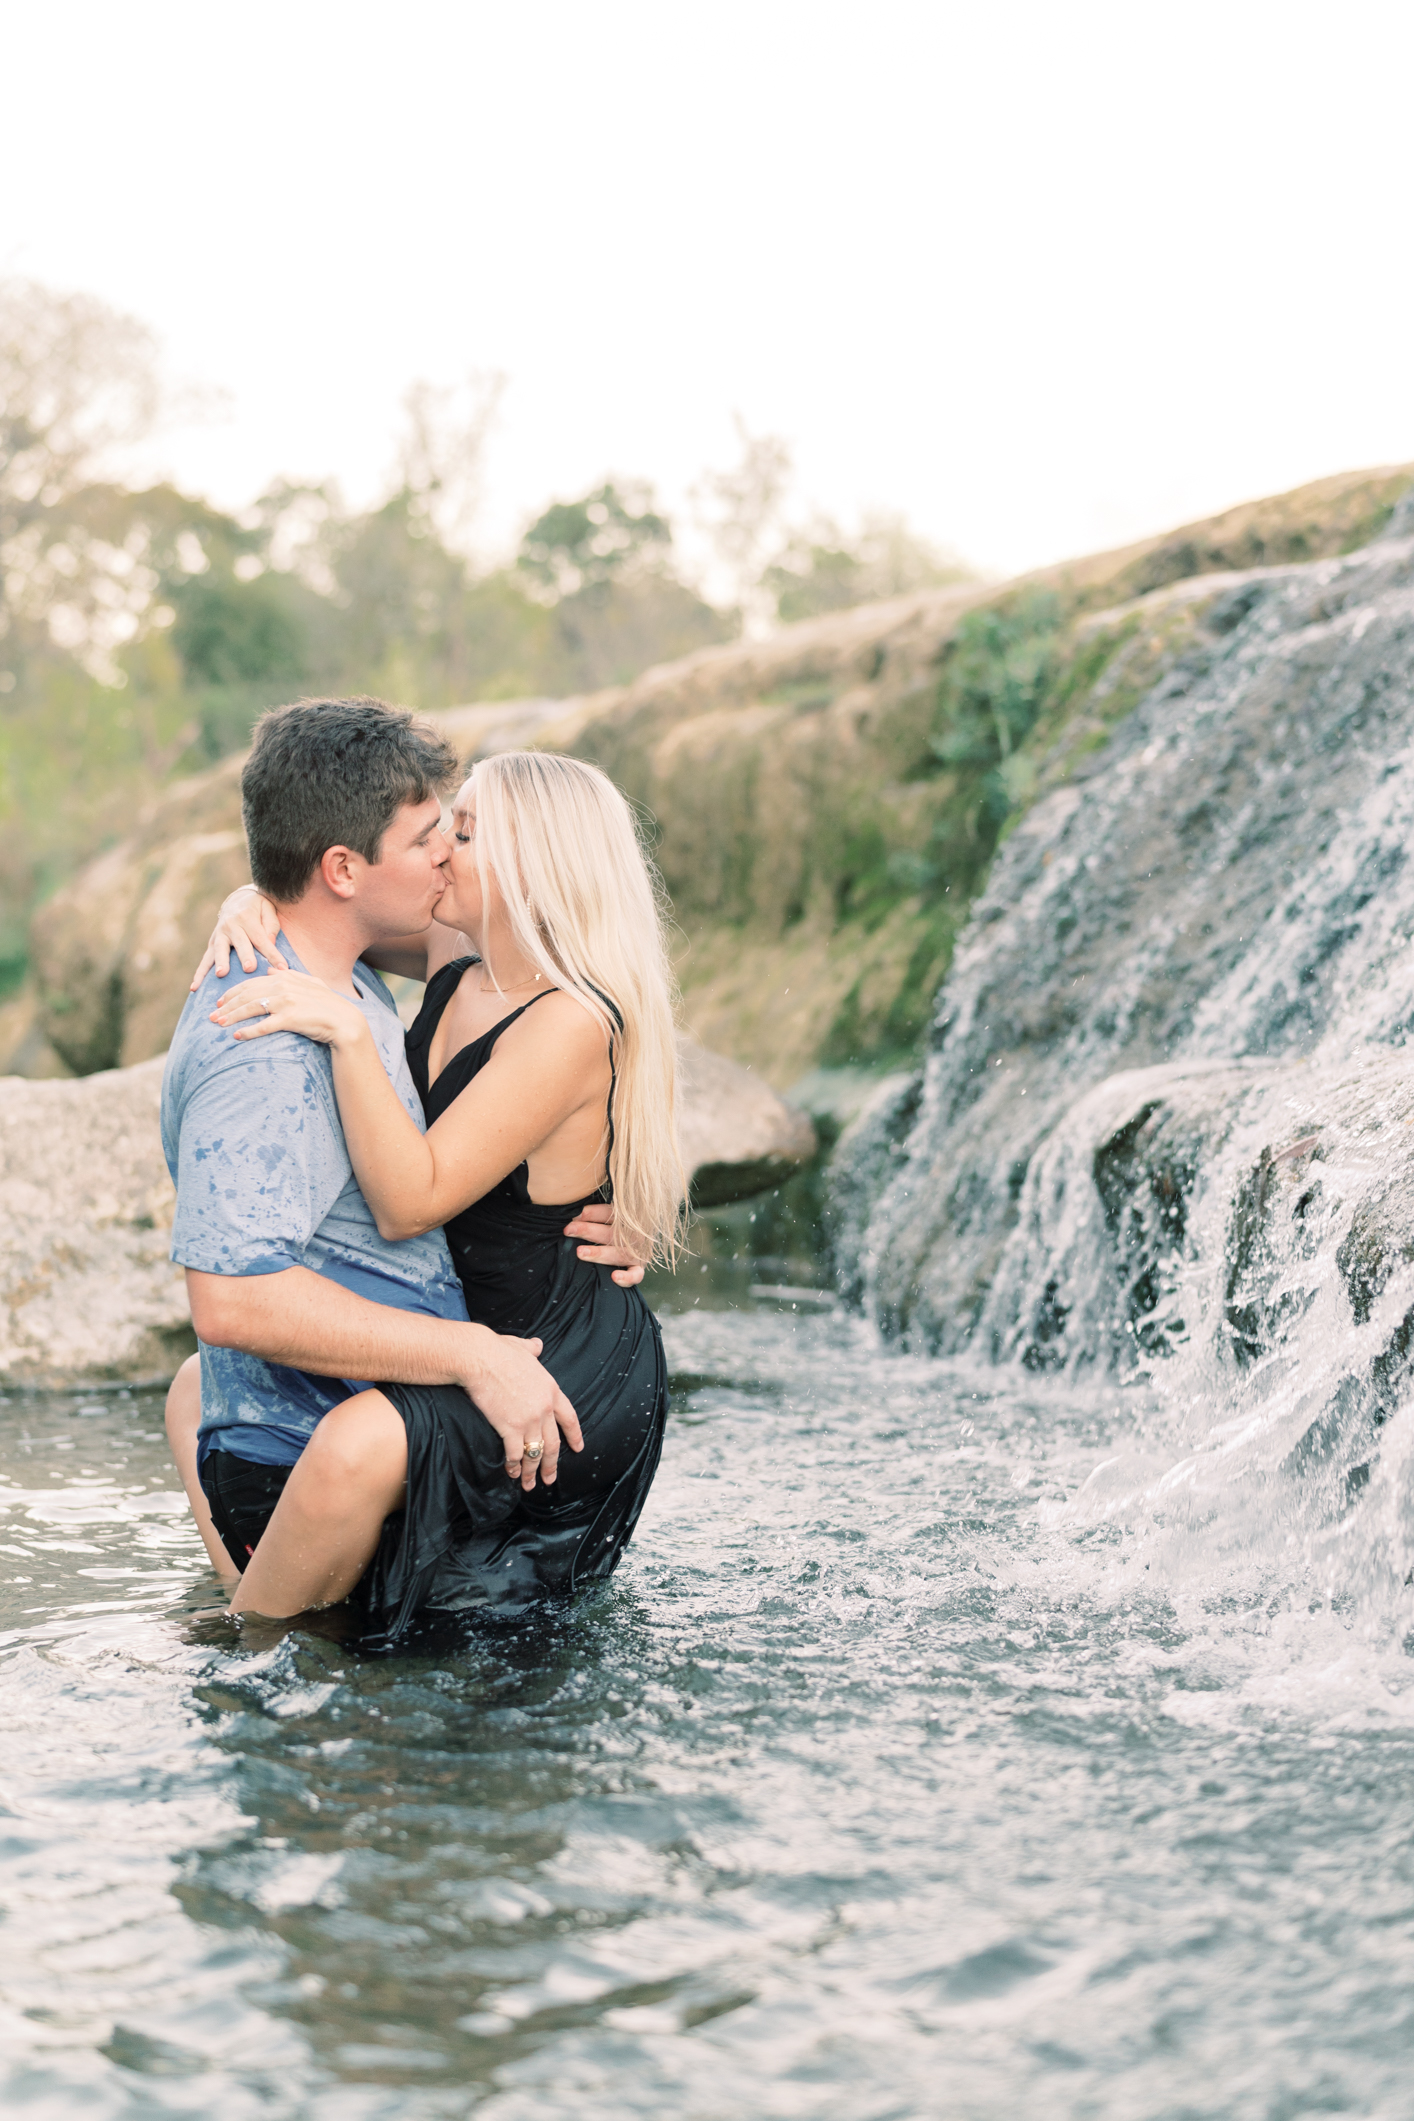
586, 907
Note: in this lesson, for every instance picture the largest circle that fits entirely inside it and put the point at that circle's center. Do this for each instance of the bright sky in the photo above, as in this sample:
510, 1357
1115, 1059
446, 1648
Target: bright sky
1045, 277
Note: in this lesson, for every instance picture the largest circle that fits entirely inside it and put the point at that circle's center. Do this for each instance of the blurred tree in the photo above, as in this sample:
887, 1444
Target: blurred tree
604, 564
607, 635
78, 384
441, 459
823, 569
743, 513
579, 545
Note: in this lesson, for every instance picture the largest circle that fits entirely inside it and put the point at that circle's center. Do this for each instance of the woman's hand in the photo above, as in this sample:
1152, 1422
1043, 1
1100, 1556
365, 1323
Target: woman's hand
246, 923
292, 1001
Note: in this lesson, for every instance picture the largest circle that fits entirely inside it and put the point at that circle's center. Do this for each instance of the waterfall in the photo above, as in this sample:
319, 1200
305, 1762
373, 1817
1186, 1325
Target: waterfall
1165, 1128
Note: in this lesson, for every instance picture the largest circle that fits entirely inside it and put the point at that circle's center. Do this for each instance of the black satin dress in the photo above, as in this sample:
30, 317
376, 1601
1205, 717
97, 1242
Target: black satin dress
469, 1535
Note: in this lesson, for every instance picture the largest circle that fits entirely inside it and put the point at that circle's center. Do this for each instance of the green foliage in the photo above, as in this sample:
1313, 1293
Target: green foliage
220, 618
578, 545
817, 578
602, 565
76, 759
872, 1038
233, 632
994, 679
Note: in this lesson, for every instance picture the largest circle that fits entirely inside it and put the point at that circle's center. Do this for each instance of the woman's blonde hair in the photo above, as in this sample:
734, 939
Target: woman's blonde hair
586, 906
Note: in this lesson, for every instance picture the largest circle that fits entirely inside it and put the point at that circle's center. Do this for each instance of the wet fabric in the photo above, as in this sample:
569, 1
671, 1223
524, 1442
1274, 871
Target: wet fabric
242, 1495
469, 1534
255, 1146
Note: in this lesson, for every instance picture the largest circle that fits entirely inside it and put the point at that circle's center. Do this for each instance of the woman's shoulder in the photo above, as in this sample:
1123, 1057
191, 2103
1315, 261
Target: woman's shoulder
560, 1020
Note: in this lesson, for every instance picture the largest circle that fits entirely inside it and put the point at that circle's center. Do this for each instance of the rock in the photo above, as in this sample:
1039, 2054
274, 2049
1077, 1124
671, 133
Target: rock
87, 1291
113, 950
1241, 1232
24, 1049
738, 1137
869, 1153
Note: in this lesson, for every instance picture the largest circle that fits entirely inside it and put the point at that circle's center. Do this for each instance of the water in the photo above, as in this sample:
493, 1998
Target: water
960, 1737
940, 1749
1229, 881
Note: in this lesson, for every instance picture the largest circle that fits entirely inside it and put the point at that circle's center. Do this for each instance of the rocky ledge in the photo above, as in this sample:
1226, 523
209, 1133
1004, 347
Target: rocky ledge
87, 1292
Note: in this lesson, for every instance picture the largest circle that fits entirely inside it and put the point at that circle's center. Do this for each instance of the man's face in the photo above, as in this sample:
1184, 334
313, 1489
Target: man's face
397, 893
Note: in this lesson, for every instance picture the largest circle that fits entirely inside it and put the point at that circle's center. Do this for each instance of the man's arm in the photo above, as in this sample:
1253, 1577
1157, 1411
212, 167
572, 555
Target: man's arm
311, 1323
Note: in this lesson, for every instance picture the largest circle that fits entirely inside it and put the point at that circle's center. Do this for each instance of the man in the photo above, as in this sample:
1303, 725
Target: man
296, 1298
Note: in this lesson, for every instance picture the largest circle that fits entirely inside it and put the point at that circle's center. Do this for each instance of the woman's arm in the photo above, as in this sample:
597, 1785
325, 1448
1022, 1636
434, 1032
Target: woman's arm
249, 922
405, 956
537, 1076
418, 956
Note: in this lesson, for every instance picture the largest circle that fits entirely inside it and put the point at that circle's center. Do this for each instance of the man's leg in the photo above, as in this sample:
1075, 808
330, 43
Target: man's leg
326, 1525
183, 1419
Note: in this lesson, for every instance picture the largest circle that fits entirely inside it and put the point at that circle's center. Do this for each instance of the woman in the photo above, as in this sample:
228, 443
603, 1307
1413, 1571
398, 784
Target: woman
544, 1058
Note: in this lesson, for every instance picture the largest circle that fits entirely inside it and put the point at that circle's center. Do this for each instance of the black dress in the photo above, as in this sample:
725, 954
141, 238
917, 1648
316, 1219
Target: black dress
469, 1535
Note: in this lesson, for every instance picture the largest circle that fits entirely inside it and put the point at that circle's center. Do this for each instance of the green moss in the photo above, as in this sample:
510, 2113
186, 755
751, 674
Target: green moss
804, 695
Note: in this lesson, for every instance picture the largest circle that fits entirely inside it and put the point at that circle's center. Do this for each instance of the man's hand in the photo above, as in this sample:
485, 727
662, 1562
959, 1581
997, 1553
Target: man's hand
524, 1406
299, 1317
595, 1223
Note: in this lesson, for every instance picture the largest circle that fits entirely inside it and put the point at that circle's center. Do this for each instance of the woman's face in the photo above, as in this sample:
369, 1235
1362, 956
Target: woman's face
460, 905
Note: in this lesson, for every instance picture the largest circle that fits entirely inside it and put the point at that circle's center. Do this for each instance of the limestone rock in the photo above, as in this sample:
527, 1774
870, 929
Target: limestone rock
86, 1288
738, 1137
114, 949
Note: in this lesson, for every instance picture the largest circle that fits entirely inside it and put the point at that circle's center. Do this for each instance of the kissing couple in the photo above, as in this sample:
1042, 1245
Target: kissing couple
413, 1266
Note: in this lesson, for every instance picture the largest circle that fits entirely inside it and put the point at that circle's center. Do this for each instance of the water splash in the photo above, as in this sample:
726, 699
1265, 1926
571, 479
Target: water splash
1166, 1130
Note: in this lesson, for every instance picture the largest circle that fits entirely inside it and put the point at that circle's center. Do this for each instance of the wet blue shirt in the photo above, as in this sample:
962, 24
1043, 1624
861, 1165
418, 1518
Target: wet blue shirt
253, 1141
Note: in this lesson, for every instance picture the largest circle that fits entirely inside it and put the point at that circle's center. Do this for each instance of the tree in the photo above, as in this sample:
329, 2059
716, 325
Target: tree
441, 459
604, 566
78, 385
742, 511
584, 545
823, 569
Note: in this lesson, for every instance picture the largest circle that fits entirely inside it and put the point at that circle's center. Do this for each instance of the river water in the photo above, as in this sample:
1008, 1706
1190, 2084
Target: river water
940, 1749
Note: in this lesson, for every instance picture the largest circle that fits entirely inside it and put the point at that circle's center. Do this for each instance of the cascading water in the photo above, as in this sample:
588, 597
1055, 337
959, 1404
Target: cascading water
1166, 1130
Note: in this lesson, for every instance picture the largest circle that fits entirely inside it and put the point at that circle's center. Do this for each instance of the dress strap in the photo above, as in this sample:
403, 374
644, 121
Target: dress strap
490, 1037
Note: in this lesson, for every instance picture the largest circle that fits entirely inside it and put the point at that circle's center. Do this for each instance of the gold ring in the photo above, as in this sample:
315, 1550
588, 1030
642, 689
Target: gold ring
534, 1450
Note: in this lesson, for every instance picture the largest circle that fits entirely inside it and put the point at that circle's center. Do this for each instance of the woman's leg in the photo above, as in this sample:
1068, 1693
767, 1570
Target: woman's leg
326, 1525
183, 1419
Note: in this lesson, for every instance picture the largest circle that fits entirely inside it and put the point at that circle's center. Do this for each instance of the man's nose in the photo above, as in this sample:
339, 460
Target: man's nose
441, 849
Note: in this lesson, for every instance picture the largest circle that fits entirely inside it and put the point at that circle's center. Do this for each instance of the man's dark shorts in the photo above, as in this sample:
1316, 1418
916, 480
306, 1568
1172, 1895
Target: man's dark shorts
242, 1496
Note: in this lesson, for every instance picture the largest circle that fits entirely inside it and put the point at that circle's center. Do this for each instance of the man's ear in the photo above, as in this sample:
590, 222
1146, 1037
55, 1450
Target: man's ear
340, 868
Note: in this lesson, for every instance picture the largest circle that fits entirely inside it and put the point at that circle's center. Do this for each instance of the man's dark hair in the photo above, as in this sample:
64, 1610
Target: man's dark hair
333, 773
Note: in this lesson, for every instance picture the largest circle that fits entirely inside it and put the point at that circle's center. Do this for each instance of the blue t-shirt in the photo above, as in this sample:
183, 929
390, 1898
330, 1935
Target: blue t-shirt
253, 1141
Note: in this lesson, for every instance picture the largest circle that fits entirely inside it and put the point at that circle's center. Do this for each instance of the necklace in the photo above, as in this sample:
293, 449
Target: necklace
514, 988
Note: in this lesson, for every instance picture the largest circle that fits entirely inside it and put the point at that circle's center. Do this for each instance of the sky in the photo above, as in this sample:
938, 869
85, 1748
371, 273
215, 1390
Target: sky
1045, 278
